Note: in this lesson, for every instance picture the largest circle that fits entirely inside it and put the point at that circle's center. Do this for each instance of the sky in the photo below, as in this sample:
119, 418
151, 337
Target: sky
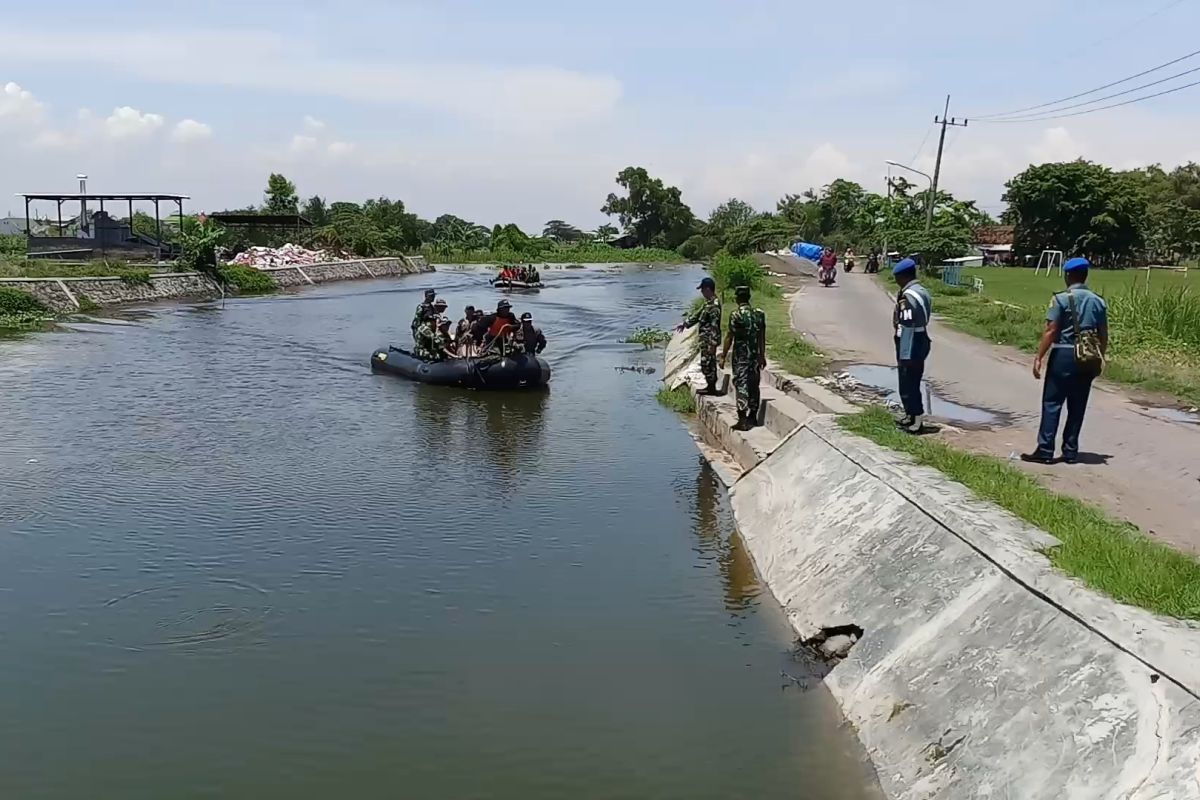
525, 110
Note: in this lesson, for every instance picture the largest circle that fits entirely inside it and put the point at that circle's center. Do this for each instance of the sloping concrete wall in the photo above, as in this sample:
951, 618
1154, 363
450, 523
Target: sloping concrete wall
62, 294
358, 269
981, 671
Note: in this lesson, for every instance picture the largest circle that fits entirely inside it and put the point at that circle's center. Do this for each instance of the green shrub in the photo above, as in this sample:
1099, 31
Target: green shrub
247, 280
729, 272
135, 277
12, 246
699, 247
86, 304
14, 301
679, 399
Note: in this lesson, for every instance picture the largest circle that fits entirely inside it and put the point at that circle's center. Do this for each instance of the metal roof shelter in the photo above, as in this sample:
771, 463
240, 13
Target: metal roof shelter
84, 197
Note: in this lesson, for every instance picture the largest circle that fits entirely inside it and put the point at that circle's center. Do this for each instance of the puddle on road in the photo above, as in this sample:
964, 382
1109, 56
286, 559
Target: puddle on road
1173, 415
883, 379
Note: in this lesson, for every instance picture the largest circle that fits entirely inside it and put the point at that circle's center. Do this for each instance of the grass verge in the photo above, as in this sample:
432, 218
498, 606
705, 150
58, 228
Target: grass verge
1113, 557
679, 399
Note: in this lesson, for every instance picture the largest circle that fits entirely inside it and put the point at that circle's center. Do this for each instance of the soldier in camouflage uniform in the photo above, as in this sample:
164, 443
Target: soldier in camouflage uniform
746, 336
427, 347
419, 316
708, 317
444, 339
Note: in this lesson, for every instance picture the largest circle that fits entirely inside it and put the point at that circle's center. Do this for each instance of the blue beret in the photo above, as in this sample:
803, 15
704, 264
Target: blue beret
1076, 263
904, 266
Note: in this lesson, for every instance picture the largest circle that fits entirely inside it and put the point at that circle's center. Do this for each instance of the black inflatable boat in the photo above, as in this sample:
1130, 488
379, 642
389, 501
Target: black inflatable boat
521, 371
517, 286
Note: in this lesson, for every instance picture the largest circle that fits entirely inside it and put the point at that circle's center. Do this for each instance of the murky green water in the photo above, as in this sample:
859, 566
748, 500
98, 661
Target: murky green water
234, 563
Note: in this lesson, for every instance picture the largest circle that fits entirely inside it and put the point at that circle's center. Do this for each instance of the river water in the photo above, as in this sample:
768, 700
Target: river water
234, 563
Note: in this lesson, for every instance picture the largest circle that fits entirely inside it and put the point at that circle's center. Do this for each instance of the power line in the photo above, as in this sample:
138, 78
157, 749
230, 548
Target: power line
1099, 108
1099, 99
983, 117
1125, 29
921, 146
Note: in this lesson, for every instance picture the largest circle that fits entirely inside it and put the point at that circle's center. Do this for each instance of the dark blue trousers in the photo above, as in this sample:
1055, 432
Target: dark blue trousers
1064, 386
910, 373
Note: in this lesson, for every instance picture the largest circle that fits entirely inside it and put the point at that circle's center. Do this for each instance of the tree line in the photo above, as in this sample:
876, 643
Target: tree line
1116, 218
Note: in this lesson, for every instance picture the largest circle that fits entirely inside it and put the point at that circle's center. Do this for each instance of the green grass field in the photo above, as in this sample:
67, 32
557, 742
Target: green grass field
1154, 324
1021, 287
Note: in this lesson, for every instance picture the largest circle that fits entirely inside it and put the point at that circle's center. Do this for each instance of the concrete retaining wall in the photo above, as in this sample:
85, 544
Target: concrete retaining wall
979, 670
969, 679
310, 274
62, 294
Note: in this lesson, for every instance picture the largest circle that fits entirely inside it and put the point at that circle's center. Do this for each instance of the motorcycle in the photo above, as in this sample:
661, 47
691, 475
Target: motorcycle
827, 275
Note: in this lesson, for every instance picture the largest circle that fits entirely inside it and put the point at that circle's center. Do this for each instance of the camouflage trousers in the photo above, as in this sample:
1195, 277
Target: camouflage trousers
708, 364
745, 384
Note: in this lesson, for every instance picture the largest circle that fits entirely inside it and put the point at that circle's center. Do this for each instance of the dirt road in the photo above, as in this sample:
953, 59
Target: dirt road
1138, 467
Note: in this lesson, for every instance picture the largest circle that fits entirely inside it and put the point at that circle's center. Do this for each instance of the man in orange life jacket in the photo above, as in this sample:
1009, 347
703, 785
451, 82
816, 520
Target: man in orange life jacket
496, 327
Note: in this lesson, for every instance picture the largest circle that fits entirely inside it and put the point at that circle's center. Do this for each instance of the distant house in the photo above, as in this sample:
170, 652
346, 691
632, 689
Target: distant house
12, 226
995, 243
625, 242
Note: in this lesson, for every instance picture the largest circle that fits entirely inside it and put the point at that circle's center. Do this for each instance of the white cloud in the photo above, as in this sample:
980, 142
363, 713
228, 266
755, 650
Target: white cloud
340, 149
301, 144
1056, 144
313, 124
189, 130
515, 98
18, 105
127, 122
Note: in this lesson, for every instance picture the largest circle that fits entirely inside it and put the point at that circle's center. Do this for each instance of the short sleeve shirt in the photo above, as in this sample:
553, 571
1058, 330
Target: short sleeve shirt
1092, 310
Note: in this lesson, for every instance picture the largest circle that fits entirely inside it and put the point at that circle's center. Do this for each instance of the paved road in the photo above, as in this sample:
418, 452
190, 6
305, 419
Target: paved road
1144, 469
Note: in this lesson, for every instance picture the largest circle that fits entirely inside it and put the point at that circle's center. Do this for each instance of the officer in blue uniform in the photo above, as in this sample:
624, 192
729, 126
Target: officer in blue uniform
910, 320
1067, 382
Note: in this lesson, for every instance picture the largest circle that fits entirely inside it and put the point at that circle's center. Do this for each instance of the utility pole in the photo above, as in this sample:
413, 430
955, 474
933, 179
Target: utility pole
937, 167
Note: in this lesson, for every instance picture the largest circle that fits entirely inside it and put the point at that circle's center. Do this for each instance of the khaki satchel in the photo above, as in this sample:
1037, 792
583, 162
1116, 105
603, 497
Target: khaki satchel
1089, 357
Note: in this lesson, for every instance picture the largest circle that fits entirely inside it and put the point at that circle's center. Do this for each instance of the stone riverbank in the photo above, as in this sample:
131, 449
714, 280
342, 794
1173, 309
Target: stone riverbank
968, 665
64, 294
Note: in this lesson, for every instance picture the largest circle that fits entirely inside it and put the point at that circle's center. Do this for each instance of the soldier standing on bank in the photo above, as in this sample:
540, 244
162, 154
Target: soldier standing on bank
910, 319
708, 317
746, 340
1076, 338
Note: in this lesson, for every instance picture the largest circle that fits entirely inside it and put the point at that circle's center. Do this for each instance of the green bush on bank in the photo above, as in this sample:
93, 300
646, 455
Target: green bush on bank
680, 399
19, 310
247, 280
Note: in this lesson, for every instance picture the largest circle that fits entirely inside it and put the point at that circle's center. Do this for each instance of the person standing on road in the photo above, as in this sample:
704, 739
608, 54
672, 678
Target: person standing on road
746, 340
1076, 338
708, 317
910, 318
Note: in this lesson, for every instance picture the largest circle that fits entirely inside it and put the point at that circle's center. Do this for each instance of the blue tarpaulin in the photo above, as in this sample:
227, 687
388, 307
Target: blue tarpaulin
810, 251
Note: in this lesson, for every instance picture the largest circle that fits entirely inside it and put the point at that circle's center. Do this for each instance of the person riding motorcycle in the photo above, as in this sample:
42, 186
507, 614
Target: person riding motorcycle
827, 271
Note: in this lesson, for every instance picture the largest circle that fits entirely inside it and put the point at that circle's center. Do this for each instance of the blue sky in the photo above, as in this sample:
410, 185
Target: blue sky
525, 110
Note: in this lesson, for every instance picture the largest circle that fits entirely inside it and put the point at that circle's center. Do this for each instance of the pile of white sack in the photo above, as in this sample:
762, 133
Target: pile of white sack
290, 255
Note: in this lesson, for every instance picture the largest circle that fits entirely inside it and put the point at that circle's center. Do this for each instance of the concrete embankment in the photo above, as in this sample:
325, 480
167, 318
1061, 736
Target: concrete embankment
970, 667
64, 294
